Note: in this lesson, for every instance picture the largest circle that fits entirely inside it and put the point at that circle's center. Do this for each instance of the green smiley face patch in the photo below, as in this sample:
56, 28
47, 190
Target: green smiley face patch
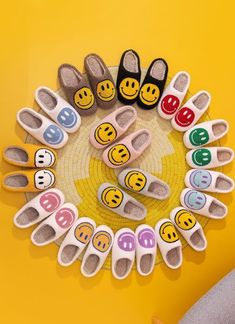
201, 157
199, 136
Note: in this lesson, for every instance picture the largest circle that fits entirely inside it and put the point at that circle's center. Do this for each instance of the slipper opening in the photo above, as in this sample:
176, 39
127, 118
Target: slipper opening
70, 77
201, 101
140, 140
125, 118
146, 263
44, 234
223, 183
130, 62
217, 209
224, 155
68, 253
47, 99
27, 216
219, 128
122, 267
135, 211
95, 66
29, 119
173, 257
181, 82
16, 181
197, 240
16, 154
158, 70
160, 190
91, 264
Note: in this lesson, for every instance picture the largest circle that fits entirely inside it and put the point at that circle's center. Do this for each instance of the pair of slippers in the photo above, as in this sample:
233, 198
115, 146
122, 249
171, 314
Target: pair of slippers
110, 129
128, 85
51, 133
135, 180
86, 94
168, 240
39, 158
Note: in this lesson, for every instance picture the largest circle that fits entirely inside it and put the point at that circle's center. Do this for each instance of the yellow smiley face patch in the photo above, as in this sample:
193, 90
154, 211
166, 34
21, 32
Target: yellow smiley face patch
106, 90
105, 133
149, 94
84, 98
168, 232
119, 154
112, 197
129, 88
185, 220
135, 180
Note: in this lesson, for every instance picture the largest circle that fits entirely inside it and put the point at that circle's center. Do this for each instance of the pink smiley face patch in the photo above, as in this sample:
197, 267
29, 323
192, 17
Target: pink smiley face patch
170, 104
50, 201
65, 217
184, 117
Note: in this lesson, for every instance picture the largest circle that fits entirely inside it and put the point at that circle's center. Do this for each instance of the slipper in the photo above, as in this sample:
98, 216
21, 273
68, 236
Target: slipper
144, 183
39, 208
123, 253
146, 249
173, 95
101, 81
152, 87
209, 157
203, 204
97, 251
112, 126
120, 202
42, 128
77, 89
55, 225
75, 241
206, 180
58, 109
205, 133
189, 228
30, 155
128, 149
128, 78
169, 243
29, 180
188, 115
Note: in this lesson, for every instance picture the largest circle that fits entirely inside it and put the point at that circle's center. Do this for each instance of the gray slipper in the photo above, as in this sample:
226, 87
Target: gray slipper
77, 89
101, 81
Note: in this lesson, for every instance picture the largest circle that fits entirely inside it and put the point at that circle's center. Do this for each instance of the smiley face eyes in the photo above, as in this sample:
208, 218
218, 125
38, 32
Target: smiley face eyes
169, 235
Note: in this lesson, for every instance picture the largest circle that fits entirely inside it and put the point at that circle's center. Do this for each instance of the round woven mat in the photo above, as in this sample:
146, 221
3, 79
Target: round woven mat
80, 169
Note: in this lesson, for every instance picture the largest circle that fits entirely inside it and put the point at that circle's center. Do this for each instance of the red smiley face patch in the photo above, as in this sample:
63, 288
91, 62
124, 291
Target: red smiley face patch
184, 117
170, 104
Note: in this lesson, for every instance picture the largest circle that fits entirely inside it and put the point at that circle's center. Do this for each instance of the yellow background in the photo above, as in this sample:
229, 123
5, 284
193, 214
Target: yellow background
36, 37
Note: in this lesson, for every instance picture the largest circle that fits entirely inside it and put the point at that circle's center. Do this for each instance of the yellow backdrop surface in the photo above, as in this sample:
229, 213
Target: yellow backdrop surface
36, 37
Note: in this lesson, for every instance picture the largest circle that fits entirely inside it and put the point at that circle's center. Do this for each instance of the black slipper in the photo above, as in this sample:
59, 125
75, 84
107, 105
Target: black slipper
128, 79
153, 84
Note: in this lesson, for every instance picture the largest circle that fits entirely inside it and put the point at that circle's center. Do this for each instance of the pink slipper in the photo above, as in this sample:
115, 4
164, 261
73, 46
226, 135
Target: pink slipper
127, 150
112, 127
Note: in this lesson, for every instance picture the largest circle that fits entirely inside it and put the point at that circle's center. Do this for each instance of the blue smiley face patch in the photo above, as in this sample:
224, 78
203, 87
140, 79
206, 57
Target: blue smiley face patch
200, 179
195, 200
67, 118
53, 135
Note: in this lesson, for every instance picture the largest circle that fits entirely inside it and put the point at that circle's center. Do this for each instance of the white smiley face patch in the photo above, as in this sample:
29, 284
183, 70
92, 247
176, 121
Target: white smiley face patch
44, 179
44, 158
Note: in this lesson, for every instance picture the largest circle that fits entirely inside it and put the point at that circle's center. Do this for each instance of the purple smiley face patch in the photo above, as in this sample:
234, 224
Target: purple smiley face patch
146, 238
126, 242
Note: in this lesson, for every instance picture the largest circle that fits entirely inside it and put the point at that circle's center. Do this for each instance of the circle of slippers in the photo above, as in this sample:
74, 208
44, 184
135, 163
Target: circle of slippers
57, 218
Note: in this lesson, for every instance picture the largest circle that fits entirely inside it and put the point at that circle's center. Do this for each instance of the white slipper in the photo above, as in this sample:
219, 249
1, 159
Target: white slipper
144, 183
39, 208
55, 225
76, 240
169, 243
97, 251
209, 157
42, 128
206, 180
146, 249
189, 228
205, 133
188, 115
58, 109
173, 95
123, 253
120, 202
112, 126
203, 204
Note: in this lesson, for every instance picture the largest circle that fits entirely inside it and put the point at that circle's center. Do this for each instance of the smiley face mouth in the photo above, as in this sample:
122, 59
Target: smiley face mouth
181, 123
172, 110
192, 138
77, 103
129, 95
51, 158
150, 101
106, 97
